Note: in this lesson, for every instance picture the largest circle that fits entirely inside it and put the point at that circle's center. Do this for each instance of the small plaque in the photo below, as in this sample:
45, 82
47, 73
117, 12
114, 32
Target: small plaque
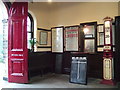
107, 47
100, 49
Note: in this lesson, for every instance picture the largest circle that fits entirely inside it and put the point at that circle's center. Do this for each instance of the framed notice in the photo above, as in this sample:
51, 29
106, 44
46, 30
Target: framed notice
43, 38
71, 38
57, 39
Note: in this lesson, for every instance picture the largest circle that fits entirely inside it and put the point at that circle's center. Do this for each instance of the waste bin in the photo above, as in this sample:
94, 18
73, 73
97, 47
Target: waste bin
78, 72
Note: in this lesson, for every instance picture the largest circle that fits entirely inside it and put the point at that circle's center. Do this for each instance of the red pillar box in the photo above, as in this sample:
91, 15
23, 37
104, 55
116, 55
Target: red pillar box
108, 68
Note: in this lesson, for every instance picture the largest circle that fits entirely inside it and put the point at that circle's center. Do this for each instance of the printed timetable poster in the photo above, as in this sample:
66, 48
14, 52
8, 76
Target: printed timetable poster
71, 38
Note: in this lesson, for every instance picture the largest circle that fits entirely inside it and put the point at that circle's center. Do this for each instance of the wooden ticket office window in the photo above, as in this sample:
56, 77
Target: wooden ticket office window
88, 37
71, 38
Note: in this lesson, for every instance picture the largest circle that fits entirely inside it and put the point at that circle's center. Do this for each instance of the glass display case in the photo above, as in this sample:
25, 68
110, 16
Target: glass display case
89, 40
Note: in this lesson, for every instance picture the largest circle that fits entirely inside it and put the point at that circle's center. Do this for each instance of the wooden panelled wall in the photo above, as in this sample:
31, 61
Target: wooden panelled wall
41, 63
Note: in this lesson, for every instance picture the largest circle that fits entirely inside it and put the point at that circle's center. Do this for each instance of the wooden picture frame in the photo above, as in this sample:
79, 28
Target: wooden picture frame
71, 40
43, 43
43, 38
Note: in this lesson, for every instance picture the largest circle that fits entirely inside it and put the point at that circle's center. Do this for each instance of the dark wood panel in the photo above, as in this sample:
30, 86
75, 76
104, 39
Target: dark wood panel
95, 65
117, 48
43, 29
66, 64
40, 63
58, 63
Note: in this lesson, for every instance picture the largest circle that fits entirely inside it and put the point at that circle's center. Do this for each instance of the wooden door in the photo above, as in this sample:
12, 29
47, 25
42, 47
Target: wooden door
17, 43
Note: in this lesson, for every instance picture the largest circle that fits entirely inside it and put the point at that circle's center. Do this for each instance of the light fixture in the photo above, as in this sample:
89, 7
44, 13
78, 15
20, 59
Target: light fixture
49, 0
85, 29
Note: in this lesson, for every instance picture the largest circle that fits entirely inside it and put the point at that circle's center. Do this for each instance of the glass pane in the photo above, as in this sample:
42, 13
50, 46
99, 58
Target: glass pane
28, 24
28, 34
101, 38
89, 45
89, 31
28, 40
5, 40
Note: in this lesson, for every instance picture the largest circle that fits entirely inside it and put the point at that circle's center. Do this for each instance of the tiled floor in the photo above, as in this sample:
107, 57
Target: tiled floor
53, 81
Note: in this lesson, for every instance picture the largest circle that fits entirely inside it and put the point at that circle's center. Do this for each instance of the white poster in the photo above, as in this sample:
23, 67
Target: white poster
107, 35
107, 32
57, 39
71, 39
